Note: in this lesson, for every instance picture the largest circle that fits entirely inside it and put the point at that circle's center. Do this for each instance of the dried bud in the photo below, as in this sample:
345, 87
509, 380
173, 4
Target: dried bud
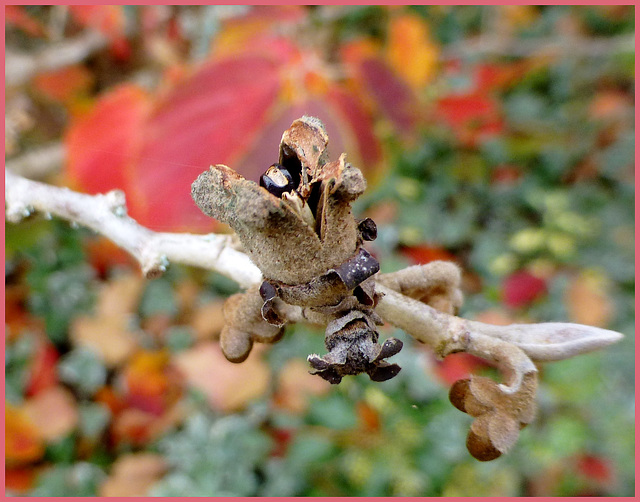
499, 415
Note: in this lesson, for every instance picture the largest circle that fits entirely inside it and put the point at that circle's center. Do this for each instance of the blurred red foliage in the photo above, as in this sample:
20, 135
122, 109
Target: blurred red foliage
522, 288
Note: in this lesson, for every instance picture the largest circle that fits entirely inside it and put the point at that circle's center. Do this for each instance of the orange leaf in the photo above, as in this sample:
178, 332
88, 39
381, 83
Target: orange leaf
23, 443
587, 300
228, 386
410, 50
108, 397
425, 254
152, 386
65, 84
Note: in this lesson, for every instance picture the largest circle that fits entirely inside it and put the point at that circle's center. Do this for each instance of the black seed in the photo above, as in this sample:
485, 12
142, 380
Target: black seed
267, 291
278, 180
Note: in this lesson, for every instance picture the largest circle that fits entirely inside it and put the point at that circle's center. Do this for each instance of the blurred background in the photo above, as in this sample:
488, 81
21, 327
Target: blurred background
501, 138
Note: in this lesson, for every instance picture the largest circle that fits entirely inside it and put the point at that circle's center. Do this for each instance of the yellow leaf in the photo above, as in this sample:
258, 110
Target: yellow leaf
23, 443
410, 50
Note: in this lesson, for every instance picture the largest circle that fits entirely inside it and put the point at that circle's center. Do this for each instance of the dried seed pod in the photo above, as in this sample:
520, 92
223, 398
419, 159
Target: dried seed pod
300, 231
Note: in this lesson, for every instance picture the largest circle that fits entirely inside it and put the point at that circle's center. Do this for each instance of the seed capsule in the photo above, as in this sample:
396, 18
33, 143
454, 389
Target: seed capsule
278, 180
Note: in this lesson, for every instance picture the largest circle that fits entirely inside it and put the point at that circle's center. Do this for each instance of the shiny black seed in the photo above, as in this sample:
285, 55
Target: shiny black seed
267, 291
278, 180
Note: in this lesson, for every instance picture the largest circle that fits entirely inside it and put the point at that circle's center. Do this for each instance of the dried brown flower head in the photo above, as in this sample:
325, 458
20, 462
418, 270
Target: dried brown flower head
298, 228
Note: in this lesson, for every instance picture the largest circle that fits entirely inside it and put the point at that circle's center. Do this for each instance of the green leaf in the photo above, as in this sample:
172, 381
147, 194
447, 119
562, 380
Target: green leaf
79, 480
82, 369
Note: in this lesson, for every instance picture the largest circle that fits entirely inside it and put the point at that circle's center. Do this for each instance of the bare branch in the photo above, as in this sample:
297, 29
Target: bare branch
106, 215
513, 347
551, 341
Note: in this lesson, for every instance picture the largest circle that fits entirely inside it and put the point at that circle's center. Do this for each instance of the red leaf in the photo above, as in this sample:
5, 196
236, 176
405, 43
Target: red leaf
102, 144
522, 288
506, 175
209, 119
594, 468
224, 113
281, 440
20, 479
456, 367
491, 76
471, 116
42, 370
361, 125
391, 94
354, 136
